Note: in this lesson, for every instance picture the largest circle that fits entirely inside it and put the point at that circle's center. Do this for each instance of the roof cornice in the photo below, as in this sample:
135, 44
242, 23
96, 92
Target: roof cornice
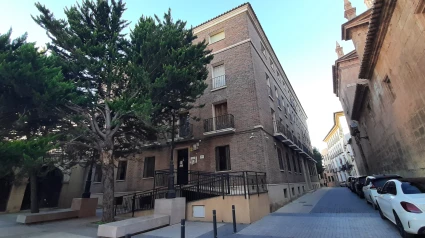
220, 18
359, 20
381, 15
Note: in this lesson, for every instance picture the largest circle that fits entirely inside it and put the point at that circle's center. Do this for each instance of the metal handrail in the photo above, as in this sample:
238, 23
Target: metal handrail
219, 122
219, 81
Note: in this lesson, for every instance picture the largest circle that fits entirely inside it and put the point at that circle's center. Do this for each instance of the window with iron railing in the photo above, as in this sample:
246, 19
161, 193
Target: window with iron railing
219, 77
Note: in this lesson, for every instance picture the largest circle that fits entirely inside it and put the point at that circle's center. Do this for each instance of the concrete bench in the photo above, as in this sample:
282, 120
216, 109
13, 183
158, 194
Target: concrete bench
132, 226
47, 216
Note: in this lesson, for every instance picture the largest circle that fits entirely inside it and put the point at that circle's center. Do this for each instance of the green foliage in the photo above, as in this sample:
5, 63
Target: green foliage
31, 88
175, 65
319, 159
26, 156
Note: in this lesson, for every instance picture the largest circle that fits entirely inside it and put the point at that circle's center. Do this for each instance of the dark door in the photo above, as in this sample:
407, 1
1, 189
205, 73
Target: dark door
182, 166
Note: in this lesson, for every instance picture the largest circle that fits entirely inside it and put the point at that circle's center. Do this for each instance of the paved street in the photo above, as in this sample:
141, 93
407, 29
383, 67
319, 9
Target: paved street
327, 213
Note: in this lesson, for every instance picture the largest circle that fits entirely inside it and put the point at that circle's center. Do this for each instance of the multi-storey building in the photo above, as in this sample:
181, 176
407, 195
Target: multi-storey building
339, 162
380, 85
252, 120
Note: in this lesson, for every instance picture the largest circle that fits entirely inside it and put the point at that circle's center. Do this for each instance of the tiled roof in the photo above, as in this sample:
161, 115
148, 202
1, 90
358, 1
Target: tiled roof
378, 26
247, 3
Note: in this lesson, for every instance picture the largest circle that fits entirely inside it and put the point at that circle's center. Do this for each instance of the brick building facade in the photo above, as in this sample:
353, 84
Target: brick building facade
251, 121
381, 86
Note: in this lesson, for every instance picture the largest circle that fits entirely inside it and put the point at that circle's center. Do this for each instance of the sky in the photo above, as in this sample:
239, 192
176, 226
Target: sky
302, 33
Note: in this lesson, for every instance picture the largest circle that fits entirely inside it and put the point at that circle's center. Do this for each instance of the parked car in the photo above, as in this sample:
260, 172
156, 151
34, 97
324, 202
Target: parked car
359, 186
348, 184
342, 184
352, 184
402, 201
374, 182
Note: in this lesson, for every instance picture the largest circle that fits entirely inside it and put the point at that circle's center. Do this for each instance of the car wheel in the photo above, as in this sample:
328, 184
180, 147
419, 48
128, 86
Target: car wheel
400, 228
380, 213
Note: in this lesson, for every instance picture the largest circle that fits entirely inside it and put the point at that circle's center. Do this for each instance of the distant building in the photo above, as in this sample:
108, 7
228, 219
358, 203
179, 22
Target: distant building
339, 162
381, 85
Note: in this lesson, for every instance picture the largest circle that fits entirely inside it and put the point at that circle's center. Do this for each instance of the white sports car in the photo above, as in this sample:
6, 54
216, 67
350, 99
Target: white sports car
402, 201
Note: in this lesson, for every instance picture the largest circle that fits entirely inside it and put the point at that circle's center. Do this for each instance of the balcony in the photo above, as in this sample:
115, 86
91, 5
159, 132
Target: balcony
283, 134
219, 82
220, 125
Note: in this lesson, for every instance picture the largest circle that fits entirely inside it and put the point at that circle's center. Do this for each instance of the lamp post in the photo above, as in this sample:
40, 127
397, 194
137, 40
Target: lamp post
171, 190
86, 193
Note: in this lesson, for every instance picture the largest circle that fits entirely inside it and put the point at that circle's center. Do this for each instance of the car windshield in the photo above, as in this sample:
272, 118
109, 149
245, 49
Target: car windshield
413, 187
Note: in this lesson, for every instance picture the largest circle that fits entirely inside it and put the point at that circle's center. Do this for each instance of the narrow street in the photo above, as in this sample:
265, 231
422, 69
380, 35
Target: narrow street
328, 212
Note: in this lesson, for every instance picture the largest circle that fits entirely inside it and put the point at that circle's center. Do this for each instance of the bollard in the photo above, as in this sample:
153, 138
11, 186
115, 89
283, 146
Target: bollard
183, 231
234, 218
215, 224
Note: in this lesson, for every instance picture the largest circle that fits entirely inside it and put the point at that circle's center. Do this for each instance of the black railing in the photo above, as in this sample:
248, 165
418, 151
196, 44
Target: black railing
282, 129
219, 81
218, 123
138, 201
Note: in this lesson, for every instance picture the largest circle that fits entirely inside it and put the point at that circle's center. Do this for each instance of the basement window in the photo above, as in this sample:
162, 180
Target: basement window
293, 191
285, 193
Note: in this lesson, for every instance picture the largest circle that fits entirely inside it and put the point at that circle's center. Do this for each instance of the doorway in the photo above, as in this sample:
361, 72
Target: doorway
49, 187
6, 183
182, 166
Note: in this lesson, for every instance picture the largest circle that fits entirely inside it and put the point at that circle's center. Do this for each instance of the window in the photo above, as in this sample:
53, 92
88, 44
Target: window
287, 162
413, 187
263, 49
280, 159
293, 191
222, 155
271, 63
391, 189
98, 173
122, 170
274, 120
389, 88
278, 76
293, 162
218, 76
149, 167
275, 92
285, 193
299, 165
269, 85
299, 191
217, 37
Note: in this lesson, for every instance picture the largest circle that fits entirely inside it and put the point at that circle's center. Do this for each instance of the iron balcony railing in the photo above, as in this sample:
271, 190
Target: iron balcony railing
219, 81
219, 123
282, 129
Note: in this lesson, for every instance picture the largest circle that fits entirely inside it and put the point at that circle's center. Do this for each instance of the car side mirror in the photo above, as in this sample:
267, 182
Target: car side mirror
379, 190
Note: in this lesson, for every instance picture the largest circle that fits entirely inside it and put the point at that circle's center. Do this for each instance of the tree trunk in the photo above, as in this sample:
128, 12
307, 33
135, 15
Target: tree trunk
34, 192
108, 185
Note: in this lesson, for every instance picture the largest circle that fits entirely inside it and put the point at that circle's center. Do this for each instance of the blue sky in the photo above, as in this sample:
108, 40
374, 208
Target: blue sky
302, 33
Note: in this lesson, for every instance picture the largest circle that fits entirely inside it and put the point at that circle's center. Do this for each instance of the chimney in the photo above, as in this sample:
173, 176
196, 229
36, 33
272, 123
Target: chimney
369, 3
350, 11
339, 50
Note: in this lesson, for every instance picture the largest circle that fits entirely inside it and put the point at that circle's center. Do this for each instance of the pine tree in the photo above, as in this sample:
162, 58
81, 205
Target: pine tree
93, 53
176, 68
